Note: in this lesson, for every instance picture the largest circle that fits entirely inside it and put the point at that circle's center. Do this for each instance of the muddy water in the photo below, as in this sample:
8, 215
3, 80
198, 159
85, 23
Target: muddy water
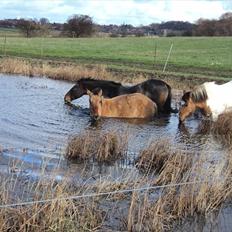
35, 125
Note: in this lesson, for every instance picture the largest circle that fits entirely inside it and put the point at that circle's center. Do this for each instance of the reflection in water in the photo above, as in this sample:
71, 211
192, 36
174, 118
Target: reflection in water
216, 221
195, 134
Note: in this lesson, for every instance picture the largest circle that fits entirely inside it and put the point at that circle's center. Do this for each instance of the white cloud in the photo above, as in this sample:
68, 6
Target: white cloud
134, 12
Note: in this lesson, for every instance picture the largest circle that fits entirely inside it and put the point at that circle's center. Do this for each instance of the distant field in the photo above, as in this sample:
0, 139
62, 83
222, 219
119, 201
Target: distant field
207, 56
9, 32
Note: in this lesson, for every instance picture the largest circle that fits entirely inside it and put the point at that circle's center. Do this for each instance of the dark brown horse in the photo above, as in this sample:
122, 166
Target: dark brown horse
134, 105
158, 91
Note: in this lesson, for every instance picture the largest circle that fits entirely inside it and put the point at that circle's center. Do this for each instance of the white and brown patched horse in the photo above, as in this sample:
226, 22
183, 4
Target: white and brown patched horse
134, 105
212, 99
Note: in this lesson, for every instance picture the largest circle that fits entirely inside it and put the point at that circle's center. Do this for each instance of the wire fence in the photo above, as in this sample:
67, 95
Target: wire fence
91, 195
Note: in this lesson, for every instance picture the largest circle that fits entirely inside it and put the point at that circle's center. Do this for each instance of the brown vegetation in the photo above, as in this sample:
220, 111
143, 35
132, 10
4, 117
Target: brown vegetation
99, 146
207, 188
65, 71
222, 128
154, 157
170, 164
72, 72
195, 186
55, 215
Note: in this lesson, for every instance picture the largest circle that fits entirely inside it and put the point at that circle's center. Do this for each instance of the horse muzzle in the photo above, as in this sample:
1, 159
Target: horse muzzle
67, 99
96, 117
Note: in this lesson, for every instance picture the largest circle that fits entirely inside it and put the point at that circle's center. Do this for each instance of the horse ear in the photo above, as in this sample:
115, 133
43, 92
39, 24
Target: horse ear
89, 93
100, 93
186, 96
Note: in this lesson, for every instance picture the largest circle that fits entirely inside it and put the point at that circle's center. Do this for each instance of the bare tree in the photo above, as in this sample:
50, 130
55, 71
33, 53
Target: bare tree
44, 26
28, 26
79, 26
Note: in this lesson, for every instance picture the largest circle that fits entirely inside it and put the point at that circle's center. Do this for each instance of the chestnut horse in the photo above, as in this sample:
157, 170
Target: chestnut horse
134, 105
212, 99
157, 90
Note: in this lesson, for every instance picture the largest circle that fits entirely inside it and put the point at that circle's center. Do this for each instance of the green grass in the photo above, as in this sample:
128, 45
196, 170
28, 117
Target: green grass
195, 55
9, 32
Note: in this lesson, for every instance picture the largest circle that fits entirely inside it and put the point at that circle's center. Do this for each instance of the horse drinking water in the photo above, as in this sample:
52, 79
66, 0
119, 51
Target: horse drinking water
134, 105
158, 91
210, 98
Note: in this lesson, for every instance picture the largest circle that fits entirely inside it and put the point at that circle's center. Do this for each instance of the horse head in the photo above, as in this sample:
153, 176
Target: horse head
95, 103
75, 92
192, 103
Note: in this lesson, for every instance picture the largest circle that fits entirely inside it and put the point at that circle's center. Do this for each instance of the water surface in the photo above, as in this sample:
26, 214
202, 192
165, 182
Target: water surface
35, 125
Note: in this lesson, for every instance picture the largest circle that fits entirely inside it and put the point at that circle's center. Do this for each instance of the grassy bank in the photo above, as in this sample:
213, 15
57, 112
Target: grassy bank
190, 57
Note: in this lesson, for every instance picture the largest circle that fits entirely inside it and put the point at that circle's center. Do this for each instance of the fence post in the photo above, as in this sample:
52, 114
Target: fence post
167, 58
4, 46
155, 55
41, 47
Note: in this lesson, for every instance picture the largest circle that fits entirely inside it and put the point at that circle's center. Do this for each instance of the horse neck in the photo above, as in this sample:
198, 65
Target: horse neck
90, 85
106, 103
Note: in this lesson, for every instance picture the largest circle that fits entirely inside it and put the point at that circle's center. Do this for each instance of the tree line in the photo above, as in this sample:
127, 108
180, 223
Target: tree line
83, 26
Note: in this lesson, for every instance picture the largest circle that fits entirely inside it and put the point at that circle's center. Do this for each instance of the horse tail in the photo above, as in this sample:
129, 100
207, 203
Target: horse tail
167, 104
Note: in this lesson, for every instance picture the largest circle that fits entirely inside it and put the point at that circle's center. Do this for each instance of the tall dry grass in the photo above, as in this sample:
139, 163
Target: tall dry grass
150, 210
97, 146
209, 190
153, 158
163, 159
222, 128
71, 71
54, 70
57, 215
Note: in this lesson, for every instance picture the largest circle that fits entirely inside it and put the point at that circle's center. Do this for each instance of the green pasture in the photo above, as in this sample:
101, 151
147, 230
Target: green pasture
189, 55
9, 32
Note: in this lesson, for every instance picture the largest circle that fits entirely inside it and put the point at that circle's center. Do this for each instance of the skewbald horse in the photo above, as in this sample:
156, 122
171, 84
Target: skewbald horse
134, 105
212, 99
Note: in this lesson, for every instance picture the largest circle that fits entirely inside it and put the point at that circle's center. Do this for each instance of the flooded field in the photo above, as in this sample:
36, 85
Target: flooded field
36, 124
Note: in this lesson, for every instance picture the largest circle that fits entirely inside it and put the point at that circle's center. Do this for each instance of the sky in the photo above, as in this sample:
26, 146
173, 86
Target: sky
134, 12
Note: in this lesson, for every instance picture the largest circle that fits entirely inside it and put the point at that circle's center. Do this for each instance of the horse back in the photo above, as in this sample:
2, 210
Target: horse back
134, 105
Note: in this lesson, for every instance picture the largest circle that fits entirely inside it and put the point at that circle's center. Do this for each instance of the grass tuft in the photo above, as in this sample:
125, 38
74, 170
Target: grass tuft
154, 157
222, 128
99, 146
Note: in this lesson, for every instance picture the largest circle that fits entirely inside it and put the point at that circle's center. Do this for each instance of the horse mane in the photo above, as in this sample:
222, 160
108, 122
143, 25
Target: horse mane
199, 94
100, 82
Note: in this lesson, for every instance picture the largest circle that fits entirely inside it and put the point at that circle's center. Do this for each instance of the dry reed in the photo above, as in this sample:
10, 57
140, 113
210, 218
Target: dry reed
211, 190
222, 128
57, 215
154, 157
163, 159
143, 211
56, 70
99, 146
